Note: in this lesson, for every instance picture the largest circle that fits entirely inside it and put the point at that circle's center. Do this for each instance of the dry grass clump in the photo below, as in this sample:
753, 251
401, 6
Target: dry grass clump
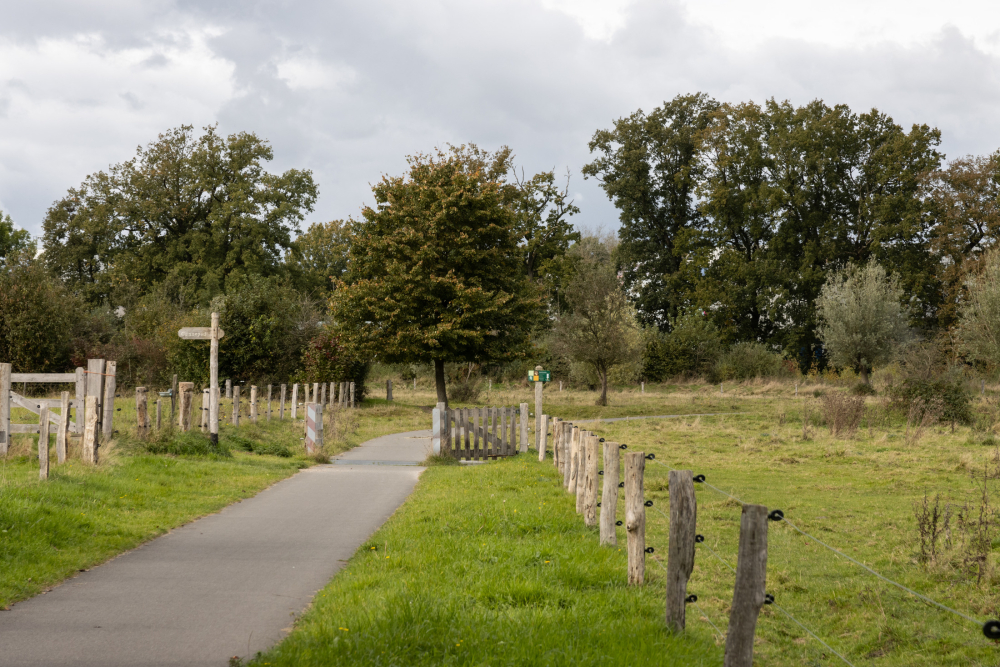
842, 413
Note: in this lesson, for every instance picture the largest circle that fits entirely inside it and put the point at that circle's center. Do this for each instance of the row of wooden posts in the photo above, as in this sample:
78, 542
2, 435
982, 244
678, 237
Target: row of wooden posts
580, 454
182, 397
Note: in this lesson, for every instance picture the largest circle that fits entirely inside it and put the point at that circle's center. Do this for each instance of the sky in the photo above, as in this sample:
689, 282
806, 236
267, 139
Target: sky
348, 90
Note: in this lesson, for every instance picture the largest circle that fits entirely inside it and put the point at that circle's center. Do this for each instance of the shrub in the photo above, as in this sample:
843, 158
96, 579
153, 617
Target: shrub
326, 359
465, 390
862, 389
744, 361
948, 389
690, 348
842, 413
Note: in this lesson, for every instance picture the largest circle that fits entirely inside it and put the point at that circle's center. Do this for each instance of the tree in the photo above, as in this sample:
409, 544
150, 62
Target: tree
543, 212
861, 319
602, 330
649, 167
186, 212
319, 256
690, 348
12, 241
435, 273
979, 316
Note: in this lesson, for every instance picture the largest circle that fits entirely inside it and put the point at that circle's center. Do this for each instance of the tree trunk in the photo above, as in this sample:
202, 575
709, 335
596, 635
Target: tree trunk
439, 381
864, 375
603, 400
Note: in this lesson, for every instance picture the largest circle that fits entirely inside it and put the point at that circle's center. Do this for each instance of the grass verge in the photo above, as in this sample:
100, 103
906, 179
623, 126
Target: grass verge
488, 565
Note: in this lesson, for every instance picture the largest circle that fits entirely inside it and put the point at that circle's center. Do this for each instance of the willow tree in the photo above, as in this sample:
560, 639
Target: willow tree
434, 272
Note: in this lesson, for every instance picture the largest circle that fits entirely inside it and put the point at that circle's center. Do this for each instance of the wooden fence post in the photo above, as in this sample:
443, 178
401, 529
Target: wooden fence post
173, 399
573, 434
543, 443
81, 394
609, 493
186, 400
388, 389
352, 394
748, 592
524, 428
281, 410
236, 405
635, 517
590, 482
539, 386
229, 388
5, 408
680, 552
253, 404
581, 469
95, 385
107, 423
43, 442
556, 427
140, 412
63, 429
269, 388
206, 399
90, 430
295, 401
159, 414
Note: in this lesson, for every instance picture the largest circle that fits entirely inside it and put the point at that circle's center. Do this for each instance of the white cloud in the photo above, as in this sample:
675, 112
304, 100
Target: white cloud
308, 73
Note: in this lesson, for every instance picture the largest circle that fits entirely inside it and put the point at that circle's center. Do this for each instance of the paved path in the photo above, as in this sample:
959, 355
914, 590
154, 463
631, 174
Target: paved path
225, 585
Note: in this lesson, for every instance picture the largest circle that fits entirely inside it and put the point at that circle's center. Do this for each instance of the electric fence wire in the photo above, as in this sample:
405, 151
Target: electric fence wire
704, 616
979, 623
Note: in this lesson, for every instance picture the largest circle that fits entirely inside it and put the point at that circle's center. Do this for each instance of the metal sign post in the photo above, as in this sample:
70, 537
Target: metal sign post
213, 334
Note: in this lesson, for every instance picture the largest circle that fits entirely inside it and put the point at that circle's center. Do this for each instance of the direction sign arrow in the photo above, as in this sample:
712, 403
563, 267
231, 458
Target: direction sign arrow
198, 333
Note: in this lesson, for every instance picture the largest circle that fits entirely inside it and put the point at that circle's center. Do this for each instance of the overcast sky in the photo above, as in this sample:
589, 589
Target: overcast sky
349, 89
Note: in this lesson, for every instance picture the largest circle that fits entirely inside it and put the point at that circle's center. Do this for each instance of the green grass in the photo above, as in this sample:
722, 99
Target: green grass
488, 565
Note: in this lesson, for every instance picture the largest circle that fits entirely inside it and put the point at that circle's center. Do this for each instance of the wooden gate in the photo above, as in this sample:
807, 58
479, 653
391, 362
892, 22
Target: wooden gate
476, 434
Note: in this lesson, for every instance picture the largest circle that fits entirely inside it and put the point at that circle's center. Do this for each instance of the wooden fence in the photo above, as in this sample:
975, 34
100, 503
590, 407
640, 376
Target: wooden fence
477, 434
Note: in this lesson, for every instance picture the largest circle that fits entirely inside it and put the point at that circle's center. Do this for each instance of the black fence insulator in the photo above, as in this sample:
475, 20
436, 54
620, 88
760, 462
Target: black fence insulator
991, 629
650, 457
618, 523
699, 538
691, 598
621, 485
650, 550
600, 472
598, 504
601, 440
114, 433
648, 503
118, 409
776, 515
768, 598
622, 446
699, 478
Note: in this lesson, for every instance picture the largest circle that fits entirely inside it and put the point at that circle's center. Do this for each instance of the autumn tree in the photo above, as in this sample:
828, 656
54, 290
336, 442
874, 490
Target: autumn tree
319, 256
435, 272
13, 241
185, 215
979, 315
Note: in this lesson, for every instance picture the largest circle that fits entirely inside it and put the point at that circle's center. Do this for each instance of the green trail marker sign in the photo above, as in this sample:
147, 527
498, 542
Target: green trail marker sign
539, 376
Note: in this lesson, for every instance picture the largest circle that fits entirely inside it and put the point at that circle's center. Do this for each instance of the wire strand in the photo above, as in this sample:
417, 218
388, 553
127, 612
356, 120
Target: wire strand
813, 634
703, 614
721, 560
711, 486
882, 577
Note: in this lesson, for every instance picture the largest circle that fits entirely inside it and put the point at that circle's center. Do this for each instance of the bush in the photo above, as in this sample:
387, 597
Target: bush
745, 361
465, 390
690, 348
842, 413
862, 389
948, 389
325, 359
191, 443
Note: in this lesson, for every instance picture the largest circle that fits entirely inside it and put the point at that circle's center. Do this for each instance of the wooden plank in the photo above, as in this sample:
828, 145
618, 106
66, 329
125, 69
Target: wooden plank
749, 589
81, 394
62, 430
43, 377
107, 422
95, 383
680, 551
90, 430
24, 428
635, 517
43, 444
609, 494
5, 429
186, 390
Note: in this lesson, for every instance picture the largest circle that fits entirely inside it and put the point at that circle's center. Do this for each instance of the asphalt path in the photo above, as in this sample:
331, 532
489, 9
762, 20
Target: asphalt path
229, 584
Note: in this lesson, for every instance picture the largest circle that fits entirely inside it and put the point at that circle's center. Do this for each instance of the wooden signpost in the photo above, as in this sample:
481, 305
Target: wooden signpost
213, 334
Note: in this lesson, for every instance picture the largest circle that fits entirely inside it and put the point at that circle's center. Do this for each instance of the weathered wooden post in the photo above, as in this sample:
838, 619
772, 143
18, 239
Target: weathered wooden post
140, 412
107, 423
5, 408
62, 434
315, 393
352, 394
748, 592
314, 427
186, 400
253, 404
388, 390
269, 388
322, 393
643, 388
609, 493
545, 438
95, 388
581, 469
635, 517
159, 413
206, 400
568, 448
295, 401
90, 430
590, 482
281, 410
680, 552
524, 427
80, 393
236, 405
43, 442
173, 400
229, 388
539, 385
